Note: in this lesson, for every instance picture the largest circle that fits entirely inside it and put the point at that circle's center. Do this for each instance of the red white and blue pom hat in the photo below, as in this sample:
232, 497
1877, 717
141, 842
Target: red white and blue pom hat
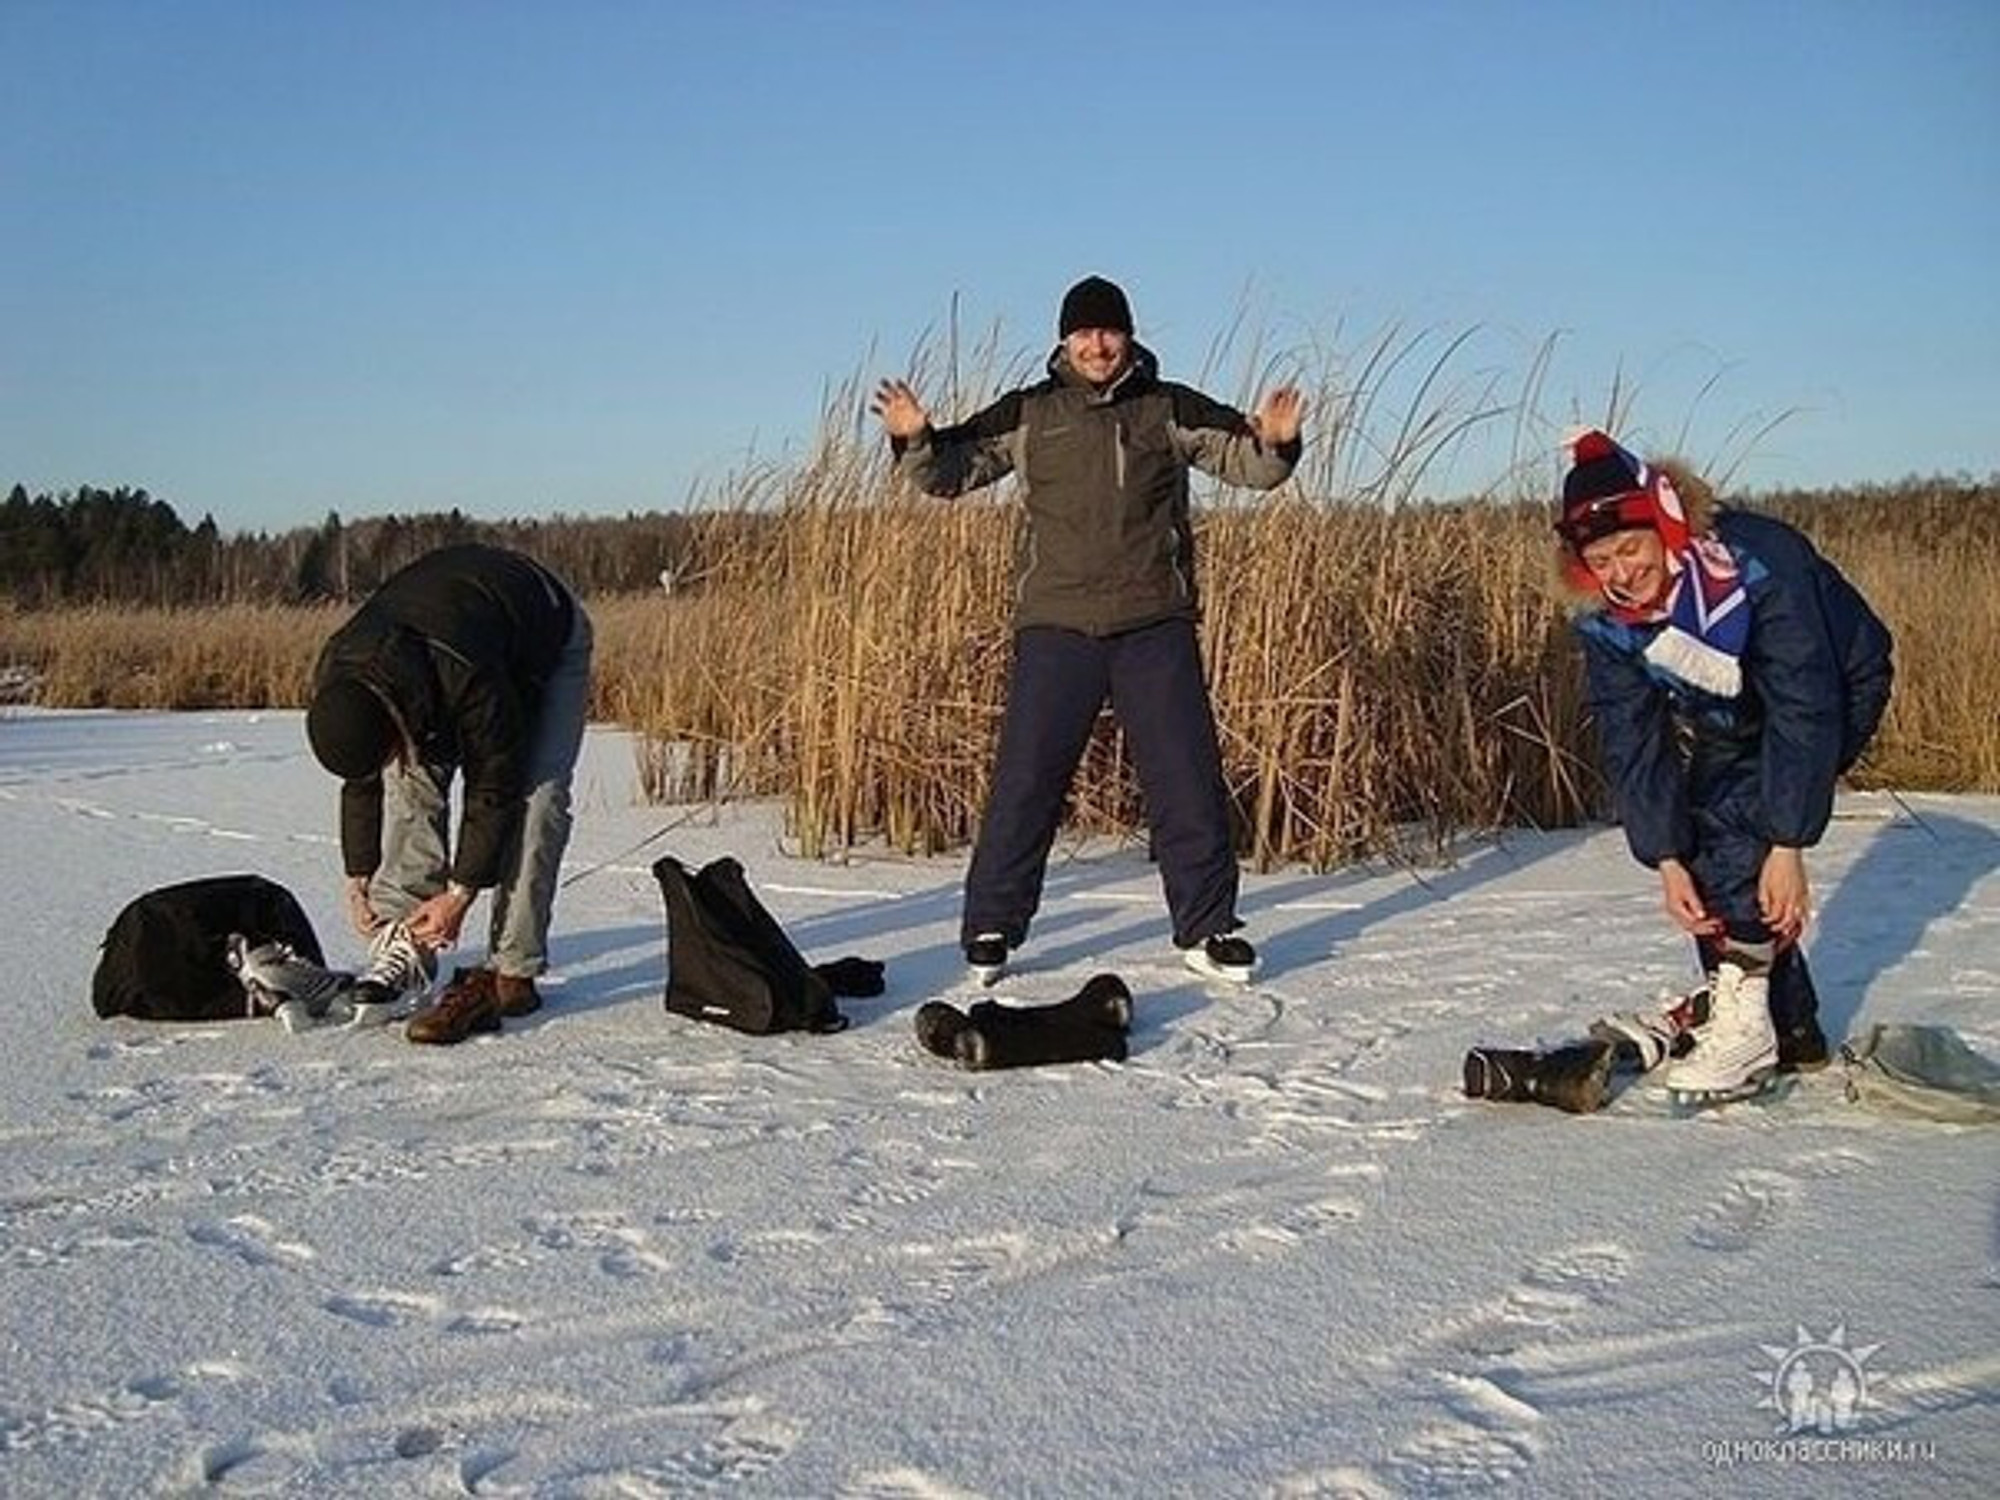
1610, 489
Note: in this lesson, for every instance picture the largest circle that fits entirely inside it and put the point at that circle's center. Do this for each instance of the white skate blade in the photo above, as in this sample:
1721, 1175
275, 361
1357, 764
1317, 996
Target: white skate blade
366, 1016
1197, 959
295, 1016
1699, 1099
986, 975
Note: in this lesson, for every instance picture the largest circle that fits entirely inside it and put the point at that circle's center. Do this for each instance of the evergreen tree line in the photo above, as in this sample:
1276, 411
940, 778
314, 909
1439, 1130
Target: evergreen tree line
124, 546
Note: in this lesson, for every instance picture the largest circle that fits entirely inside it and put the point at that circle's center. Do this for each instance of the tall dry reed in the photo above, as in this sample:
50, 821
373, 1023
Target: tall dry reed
231, 656
1377, 669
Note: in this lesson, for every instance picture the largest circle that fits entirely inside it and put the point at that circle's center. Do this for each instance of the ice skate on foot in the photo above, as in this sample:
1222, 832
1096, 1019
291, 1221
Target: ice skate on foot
1737, 1050
986, 958
1802, 1048
1224, 956
1699, 1099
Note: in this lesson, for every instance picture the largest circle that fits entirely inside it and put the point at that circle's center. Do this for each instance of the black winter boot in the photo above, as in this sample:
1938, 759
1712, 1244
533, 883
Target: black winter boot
1090, 1026
1570, 1078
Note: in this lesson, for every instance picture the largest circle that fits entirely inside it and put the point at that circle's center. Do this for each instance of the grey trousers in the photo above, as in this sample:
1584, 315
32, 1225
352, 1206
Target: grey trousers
416, 823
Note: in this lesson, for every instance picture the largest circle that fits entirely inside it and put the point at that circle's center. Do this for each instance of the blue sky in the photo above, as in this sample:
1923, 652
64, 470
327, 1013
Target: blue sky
270, 260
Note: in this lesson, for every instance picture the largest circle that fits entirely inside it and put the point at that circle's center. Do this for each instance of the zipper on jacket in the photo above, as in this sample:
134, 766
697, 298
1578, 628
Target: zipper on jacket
1118, 450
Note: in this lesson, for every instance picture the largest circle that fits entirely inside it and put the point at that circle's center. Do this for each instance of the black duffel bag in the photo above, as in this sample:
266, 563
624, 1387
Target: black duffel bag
165, 957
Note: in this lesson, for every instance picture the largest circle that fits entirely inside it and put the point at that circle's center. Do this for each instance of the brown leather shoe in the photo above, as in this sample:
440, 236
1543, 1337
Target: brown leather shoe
471, 1002
518, 995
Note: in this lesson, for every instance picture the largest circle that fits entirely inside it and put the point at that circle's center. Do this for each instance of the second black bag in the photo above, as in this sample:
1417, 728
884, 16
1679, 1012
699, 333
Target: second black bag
728, 960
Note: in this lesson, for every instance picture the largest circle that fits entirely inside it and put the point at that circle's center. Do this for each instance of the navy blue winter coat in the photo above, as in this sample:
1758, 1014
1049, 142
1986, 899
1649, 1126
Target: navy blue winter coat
1816, 675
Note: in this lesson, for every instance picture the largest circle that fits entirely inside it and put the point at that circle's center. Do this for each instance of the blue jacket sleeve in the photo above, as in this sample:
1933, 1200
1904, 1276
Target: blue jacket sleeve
1789, 664
1636, 735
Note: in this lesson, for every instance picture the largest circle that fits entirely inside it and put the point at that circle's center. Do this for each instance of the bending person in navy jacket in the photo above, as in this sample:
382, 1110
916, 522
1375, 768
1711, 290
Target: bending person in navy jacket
1734, 674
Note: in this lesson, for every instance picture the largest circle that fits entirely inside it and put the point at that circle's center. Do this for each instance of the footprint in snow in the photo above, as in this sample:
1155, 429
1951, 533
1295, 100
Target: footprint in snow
1745, 1212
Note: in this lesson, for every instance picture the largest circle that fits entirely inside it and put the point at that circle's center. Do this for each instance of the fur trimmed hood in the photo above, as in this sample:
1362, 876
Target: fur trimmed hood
1575, 585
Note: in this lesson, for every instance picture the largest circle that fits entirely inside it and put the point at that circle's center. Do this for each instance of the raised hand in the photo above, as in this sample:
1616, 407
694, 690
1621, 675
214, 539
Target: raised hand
1279, 415
902, 414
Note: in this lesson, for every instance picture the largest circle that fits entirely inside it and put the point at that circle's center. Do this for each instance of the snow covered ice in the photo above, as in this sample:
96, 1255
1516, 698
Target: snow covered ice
609, 1252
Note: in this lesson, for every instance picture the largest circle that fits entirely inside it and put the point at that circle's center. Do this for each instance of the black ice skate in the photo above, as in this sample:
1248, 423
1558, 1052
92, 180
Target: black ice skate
986, 958
278, 981
1224, 956
399, 974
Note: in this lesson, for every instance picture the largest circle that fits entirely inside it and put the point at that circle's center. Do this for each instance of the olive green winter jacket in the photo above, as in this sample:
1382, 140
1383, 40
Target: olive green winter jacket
1103, 473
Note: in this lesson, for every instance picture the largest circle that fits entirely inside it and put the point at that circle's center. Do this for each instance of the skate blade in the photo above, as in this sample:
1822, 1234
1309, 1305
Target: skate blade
985, 975
1201, 964
1696, 1099
371, 1016
296, 1016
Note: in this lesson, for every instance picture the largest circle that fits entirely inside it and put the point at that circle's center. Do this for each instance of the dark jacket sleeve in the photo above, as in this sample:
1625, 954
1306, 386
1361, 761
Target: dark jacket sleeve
493, 727
361, 826
1636, 735
950, 461
1865, 651
1790, 665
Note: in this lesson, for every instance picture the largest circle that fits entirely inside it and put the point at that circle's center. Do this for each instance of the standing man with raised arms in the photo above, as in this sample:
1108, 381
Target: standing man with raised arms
1105, 606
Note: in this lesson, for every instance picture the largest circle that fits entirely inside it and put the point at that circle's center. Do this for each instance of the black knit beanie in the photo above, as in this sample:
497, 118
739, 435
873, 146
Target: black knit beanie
1600, 477
351, 731
1094, 303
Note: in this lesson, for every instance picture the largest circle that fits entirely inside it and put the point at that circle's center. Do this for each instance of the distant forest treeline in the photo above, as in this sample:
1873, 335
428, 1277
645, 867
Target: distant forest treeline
124, 546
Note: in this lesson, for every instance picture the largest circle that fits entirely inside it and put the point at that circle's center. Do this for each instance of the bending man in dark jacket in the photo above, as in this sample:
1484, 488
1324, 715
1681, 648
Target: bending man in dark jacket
473, 659
1734, 674
1105, 605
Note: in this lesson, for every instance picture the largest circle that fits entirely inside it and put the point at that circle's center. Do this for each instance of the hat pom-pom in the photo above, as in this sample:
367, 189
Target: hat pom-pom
1586, 444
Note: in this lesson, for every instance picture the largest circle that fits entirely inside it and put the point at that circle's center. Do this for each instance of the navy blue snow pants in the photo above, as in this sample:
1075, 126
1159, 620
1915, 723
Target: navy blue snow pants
1153, 677
1729, 855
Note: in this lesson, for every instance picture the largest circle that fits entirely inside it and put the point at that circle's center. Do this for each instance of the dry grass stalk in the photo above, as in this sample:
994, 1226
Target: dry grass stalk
1375, 668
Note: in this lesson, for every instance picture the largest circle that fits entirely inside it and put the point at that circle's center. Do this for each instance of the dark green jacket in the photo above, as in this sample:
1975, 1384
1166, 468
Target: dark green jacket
1104, 476
460, 644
